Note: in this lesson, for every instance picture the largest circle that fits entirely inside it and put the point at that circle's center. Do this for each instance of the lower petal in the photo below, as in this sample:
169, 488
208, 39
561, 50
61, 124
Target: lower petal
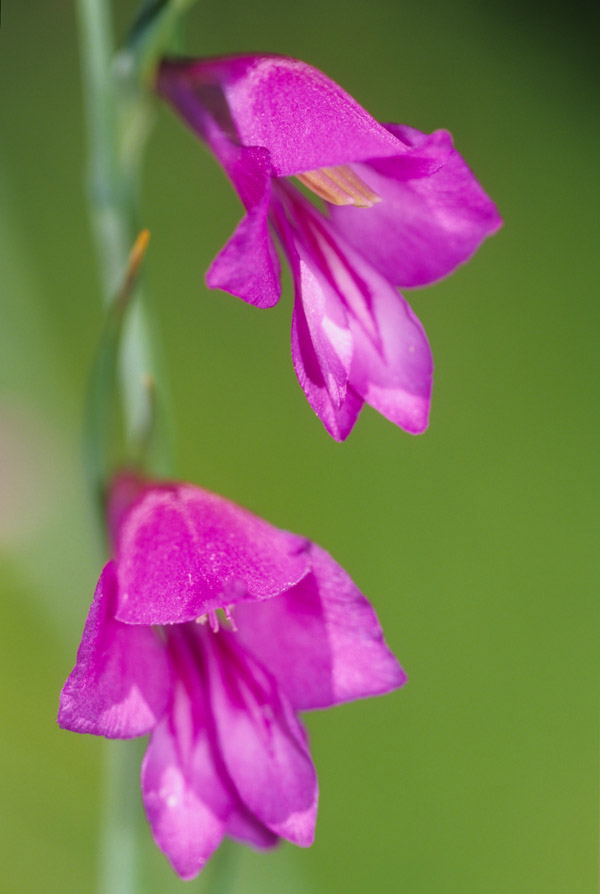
262, 743
393, 371
316, 377
186, 801
248, 266
121, 683
354, 337
243, 826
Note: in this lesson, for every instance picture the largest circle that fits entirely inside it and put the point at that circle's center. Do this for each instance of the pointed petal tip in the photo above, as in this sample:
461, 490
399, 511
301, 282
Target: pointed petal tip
299, 828
496, 222
187, 873
420, 426
394, 406
247, 267
400, 681
338, 436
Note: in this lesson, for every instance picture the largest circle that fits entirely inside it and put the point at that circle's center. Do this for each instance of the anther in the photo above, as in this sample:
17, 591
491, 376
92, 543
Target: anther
212, 618
339, 186
228, 612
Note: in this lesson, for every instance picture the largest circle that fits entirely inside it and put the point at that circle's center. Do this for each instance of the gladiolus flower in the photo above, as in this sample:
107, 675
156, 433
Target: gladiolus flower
402, 210
211, 630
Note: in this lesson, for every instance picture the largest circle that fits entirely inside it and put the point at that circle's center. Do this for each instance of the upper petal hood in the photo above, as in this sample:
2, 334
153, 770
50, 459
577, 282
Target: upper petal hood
182, 551
301, 116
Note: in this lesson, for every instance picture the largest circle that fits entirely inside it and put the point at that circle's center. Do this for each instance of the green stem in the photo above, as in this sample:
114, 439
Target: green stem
113, 177
112, 191
119, 871
111, 218
223, 868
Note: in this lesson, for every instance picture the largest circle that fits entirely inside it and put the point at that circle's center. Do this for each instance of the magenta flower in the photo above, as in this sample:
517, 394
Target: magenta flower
403, 210
210, 630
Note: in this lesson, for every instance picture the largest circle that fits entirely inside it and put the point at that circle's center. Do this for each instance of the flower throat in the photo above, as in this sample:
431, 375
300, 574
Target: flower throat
339, 186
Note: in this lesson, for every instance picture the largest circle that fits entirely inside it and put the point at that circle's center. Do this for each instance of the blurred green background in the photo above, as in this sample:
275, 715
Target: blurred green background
475, 541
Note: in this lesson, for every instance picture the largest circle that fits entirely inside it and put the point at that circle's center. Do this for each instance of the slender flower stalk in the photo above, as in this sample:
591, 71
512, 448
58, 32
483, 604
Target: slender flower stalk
113, 176
113, 186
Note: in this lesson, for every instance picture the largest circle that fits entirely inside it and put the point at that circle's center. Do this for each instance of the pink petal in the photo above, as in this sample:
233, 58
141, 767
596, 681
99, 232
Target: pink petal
183, 551
303, 118
427, 223
243, 826
262, 742
338, 420
322, 640
248, 265
121, 683
186, 800
392, 364
387, 362
321, 337
315, 312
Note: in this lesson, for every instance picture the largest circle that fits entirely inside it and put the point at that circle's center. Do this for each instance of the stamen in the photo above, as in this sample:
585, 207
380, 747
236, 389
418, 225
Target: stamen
228, 612
212, 619
339, 186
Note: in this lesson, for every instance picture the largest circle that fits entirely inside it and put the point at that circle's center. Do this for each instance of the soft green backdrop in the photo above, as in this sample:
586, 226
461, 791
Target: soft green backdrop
475, 541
